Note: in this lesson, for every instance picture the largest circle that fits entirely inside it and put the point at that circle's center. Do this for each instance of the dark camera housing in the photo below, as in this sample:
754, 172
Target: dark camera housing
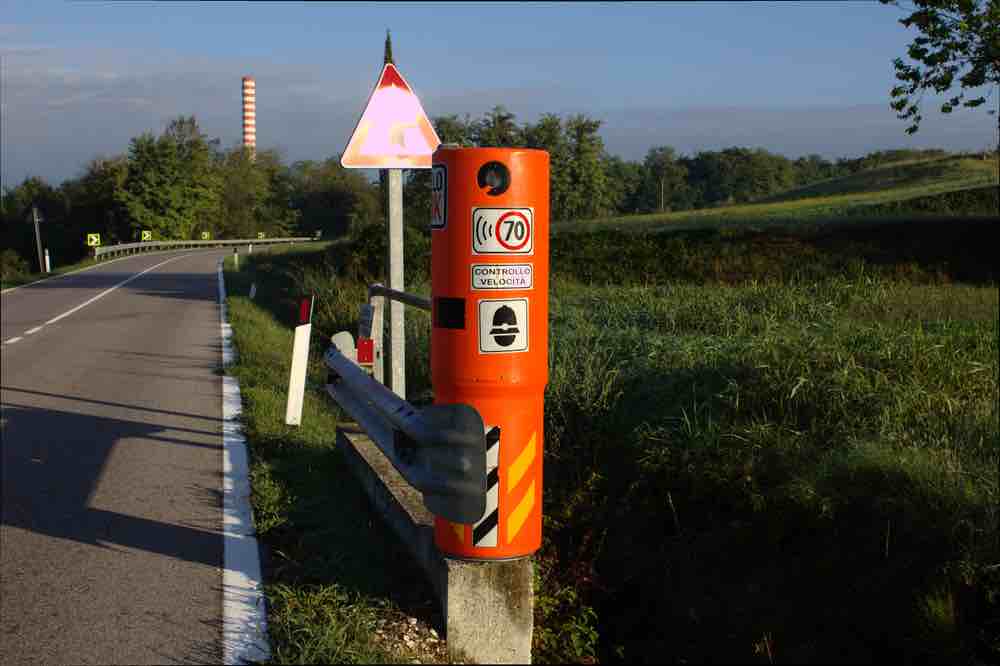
494, 175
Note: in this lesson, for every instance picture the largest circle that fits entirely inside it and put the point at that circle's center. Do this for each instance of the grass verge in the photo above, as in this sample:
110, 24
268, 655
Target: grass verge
16, 278
340, 588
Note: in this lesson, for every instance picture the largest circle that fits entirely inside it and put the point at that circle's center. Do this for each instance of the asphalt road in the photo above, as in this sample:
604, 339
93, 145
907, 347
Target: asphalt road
110, 417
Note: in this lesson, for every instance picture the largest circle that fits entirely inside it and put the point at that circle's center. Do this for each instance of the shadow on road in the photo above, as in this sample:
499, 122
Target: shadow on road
108, 403
53, 460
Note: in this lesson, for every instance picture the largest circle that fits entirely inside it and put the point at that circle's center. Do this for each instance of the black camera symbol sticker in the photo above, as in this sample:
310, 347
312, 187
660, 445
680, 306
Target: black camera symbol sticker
504, 329
503, 325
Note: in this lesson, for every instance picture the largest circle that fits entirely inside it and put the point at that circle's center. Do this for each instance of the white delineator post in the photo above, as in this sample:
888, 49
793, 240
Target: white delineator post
396, 348
250, 115
48, 265
297, 378
300, 365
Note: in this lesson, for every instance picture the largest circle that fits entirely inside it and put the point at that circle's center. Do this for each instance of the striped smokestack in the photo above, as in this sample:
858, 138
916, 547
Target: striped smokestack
250, 115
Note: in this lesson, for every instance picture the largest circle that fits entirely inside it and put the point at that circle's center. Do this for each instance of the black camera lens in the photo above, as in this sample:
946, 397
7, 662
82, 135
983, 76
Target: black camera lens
495, 176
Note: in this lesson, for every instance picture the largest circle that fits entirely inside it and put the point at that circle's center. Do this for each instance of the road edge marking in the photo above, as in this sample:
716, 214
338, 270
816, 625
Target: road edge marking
244, 615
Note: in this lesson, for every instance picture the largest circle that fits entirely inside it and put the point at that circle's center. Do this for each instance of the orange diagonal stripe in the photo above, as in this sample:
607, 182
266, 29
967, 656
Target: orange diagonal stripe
517, 517
520, 466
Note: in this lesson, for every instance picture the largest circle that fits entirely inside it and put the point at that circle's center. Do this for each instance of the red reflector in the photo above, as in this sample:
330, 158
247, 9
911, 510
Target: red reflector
304, 311
366, 350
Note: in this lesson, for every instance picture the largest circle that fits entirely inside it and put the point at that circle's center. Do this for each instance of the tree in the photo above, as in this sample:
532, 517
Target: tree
624, 180
17, 233
664, 184
548, 135
332, 199
497, 129
452, 129
243, 191
959, 41
93, 206
173, 184
586, 188
276, 215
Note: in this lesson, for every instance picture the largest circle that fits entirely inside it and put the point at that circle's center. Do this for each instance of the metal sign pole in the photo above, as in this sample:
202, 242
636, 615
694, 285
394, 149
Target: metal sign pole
396, 348
38, 239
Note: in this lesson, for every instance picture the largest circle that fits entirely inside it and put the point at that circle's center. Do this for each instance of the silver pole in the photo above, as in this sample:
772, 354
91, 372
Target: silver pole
3, 135
38, 239
396, 348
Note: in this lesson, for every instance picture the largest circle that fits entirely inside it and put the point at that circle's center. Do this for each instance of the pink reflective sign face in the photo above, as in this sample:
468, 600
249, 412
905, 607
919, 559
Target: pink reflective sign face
394, 132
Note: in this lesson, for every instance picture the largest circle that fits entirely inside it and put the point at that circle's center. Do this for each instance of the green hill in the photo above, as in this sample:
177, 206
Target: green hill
903, 178
827, 200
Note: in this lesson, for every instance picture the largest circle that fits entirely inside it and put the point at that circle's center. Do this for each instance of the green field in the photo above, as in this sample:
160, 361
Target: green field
821, 202
763, 444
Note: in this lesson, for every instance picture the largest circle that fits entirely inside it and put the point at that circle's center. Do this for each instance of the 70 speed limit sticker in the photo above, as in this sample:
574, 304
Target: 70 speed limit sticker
503, 231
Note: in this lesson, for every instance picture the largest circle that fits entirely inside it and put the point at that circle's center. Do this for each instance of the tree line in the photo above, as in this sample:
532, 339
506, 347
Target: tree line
182, 183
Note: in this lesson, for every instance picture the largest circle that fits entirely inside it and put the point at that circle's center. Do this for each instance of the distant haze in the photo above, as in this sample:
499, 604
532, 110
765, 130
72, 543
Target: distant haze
52, 130
82, 79
832, 132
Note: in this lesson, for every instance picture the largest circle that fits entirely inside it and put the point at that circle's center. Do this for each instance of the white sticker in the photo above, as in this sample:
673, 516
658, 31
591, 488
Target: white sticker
503, 231
502, 276
439, 196
503, 326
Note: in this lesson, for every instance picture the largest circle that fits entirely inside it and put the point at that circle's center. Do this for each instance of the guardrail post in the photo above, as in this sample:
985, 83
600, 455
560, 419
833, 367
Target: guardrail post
378, 305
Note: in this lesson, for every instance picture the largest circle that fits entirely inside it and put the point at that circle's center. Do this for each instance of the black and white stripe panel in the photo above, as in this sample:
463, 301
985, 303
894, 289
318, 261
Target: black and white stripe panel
484, 533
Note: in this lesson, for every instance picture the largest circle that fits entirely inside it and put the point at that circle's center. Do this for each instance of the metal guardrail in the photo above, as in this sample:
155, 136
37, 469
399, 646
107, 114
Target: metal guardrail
440, 450
148, 246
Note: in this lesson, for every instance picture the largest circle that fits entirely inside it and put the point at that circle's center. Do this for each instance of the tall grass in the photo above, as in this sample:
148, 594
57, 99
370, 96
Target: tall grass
796, 460
758, 446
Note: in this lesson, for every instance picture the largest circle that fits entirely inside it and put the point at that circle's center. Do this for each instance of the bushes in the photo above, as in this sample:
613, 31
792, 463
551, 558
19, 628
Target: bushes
927, 250
12, 265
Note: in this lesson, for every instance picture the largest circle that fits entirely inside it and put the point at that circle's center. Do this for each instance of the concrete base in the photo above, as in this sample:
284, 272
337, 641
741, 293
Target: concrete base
488, 606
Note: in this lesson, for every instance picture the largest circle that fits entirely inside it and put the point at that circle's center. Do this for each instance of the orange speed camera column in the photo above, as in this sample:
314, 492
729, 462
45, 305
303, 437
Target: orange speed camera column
489, 336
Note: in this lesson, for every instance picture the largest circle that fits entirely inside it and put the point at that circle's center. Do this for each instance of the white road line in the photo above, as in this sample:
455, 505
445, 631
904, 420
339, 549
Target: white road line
33, 330
111, 289
12, 340
244, 617
80, 270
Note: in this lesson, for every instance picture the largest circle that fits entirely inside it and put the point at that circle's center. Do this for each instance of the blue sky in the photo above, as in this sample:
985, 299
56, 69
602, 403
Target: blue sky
82, 78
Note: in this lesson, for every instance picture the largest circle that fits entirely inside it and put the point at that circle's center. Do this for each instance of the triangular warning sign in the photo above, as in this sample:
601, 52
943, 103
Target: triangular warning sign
393, 132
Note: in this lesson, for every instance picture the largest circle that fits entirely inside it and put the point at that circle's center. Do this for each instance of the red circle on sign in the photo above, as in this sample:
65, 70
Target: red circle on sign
527, 230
